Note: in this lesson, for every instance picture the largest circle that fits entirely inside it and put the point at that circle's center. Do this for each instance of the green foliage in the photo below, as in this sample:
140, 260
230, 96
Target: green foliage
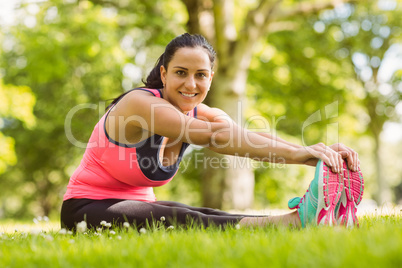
321, 81
377, 243
17, 104
74, 56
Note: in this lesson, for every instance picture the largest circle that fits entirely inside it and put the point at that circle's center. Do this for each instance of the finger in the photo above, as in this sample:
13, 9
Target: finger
329, 161
328, 155
356, 163
338, 160
344, 154
334, 156
352, 159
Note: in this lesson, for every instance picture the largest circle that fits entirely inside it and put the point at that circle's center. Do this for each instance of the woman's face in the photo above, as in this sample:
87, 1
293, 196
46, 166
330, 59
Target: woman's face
188, 78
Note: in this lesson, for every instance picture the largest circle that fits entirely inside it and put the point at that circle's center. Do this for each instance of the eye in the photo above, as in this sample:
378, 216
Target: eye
180, 73
202, 75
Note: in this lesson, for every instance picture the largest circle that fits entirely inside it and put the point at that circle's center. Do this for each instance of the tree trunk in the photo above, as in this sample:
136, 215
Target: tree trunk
383, 192
229, 184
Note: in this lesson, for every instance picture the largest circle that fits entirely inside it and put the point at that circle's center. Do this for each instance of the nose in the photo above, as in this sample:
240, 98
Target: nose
190, 83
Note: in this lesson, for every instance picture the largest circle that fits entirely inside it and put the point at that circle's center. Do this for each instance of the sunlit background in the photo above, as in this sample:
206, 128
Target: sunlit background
55, 55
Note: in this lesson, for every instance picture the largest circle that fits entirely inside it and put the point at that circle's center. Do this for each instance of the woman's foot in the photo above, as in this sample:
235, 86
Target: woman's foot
351, 197
317, 206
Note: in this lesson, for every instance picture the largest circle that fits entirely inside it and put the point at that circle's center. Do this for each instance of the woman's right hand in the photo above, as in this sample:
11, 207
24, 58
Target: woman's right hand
309, 155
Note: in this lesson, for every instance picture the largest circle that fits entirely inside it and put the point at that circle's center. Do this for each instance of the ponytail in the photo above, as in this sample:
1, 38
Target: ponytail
153, 81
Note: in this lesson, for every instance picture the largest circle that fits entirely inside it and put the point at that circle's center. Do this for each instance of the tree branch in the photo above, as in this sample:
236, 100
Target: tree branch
307, 8
268, 11
255, 22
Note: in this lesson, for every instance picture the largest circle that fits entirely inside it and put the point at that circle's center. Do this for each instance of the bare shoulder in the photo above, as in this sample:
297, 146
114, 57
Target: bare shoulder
210, 114
136, 101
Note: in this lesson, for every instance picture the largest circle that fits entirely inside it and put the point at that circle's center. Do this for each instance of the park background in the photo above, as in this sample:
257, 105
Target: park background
308, 71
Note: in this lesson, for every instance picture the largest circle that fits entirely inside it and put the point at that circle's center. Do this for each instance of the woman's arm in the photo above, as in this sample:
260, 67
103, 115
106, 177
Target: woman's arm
213, 114
301, 155
141, 110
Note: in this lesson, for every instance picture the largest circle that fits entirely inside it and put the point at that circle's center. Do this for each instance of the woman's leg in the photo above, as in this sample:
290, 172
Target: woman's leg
140, 213
204, 210
290, 219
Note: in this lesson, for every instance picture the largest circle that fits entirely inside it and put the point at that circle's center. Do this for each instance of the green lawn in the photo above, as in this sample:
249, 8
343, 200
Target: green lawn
377, 243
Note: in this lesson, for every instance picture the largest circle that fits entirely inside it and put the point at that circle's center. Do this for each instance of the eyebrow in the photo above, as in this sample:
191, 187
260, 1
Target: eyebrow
179, 67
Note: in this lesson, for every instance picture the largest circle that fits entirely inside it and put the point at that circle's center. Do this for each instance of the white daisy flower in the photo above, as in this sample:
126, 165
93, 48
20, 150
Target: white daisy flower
49, 238
81, 227
35, 231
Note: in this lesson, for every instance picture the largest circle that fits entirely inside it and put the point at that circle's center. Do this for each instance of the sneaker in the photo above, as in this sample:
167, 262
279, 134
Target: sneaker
351, 197
317, 206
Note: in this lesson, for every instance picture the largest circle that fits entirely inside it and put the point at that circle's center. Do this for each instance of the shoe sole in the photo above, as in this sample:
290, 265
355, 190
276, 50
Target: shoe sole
354, 189
330, 189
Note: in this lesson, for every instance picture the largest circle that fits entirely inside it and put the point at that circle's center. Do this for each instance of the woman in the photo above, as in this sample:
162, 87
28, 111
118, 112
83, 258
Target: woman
139, 142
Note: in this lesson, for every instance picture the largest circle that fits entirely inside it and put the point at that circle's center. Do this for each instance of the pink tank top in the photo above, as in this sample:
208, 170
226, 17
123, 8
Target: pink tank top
110, 169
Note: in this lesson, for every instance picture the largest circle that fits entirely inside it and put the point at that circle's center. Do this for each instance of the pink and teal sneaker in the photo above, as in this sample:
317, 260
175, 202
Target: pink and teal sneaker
317, 206
351, 197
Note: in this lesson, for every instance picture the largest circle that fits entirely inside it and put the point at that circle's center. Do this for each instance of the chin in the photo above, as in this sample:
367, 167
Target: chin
187, 109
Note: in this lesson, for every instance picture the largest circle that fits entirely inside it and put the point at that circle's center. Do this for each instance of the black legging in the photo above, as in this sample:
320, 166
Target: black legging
138, 213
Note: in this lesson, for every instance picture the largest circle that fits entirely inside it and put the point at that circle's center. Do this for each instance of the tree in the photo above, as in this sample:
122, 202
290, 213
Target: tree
370, 47
75, 56
344, 56
17, 104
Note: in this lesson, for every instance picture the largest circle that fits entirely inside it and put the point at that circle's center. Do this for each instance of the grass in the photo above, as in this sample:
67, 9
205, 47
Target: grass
377, 243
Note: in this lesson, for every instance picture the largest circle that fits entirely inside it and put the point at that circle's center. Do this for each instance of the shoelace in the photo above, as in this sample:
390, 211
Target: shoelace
301, 199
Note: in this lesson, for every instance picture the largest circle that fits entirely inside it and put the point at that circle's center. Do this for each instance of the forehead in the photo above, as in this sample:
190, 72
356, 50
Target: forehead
191, 56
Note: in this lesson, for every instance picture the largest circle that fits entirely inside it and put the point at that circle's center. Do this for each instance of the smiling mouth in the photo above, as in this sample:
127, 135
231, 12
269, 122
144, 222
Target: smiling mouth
188, 95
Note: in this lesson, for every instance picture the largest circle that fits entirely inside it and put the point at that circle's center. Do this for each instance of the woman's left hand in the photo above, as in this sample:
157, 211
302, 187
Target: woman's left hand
351, 157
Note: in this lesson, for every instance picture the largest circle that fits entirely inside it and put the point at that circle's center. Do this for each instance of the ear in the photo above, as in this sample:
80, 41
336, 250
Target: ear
210, 80
163, 74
